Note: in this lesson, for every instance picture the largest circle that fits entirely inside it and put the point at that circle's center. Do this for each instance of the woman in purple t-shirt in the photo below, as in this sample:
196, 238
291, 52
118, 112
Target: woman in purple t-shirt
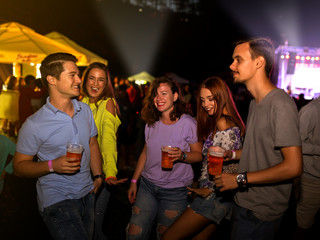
163, 195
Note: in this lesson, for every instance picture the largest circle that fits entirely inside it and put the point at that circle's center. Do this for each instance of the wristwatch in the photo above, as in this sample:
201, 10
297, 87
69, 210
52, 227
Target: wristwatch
98, 176
242, 179
184, 156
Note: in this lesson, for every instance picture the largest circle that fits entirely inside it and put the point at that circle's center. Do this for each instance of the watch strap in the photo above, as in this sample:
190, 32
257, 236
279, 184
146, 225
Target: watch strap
244, 181
184, 156
98, 176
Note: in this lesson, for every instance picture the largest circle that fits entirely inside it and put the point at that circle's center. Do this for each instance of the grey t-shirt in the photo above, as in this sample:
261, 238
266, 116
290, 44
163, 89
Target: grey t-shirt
272, 124
309, 129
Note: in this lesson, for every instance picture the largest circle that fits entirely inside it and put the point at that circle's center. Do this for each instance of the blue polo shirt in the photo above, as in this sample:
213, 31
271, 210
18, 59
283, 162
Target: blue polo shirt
46, 134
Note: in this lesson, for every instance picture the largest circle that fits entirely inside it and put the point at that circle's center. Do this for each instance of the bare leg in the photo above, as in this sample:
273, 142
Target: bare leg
187, 225
206, 233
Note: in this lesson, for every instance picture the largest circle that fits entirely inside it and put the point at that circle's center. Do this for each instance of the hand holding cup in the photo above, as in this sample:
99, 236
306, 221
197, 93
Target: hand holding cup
216, 156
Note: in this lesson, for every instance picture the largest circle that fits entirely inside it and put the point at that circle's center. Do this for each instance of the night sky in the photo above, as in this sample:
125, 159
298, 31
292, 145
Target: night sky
194, 47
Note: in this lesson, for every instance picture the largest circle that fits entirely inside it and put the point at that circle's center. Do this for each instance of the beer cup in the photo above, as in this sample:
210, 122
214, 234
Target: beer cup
215, 161
166, 165
74, 150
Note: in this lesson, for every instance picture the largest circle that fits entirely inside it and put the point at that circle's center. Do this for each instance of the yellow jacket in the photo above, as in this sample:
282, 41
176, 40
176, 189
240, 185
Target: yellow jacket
107, 126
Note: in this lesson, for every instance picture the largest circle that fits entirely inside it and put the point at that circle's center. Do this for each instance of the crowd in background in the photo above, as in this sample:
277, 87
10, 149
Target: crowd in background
129, 96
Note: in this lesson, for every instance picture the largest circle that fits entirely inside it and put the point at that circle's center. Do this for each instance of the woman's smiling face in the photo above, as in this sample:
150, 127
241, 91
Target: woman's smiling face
207, 101
165, 98
96, 83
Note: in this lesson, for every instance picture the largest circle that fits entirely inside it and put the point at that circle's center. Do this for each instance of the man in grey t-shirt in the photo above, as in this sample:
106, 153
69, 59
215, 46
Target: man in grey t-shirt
271, 156
309, 184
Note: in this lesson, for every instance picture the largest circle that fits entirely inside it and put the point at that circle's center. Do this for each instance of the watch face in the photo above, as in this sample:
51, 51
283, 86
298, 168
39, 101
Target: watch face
240, 178
184, 156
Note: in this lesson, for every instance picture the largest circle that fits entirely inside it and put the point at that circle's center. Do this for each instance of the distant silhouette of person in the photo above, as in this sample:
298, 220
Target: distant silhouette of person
126, 131
135, 96
11, 83
301, 101
7, 150
9, 126
37, 103
26, 94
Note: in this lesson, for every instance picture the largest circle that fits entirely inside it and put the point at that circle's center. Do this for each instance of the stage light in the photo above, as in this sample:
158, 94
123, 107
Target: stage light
282, 57
300, 72
287, 56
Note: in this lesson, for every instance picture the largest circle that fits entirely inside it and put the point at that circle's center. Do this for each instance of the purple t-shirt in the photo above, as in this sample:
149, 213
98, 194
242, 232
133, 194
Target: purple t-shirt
180, 134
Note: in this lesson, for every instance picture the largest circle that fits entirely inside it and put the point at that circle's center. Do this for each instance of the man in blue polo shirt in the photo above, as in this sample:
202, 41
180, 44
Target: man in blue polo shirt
65, 189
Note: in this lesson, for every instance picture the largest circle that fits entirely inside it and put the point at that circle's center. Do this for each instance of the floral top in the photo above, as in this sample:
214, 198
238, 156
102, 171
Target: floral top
228, 139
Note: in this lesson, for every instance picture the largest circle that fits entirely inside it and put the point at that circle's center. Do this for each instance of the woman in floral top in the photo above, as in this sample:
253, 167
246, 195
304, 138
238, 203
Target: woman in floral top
218, 124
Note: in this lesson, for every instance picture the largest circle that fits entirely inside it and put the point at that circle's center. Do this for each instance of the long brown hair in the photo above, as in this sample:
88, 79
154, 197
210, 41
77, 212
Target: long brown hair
150, 113
107, 91
224, 101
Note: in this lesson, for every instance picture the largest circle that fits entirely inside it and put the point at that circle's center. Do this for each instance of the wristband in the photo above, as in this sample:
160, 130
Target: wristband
134, 180
234, 154
110, 178
50, 166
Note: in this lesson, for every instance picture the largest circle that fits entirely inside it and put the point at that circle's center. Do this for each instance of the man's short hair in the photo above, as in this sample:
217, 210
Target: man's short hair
53, 65
262, 47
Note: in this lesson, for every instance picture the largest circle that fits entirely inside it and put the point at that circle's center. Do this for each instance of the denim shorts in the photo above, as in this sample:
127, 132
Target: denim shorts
216, 208
153, 203
71, 218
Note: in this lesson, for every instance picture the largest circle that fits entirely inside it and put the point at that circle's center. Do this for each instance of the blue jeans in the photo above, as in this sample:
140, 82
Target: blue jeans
156, 204
71, 219
102, 200
245, 226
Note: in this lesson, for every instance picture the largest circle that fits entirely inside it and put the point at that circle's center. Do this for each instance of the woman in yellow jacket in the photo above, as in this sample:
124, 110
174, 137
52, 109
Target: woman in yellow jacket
98, 94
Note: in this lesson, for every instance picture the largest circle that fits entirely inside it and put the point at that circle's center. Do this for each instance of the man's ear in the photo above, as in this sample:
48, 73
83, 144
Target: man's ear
51, 79
260, 62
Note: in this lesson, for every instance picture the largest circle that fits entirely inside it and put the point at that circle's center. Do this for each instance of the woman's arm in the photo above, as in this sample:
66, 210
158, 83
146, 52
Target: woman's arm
195, 154
132, 192
108, 144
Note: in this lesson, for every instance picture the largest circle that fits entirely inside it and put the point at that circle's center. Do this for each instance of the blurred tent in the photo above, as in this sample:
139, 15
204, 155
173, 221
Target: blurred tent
21, 44
141, 78
177, 78
90, 57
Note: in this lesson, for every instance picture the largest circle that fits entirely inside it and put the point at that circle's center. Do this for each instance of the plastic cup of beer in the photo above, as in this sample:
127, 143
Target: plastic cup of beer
215, 161
166, 163
74, 150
